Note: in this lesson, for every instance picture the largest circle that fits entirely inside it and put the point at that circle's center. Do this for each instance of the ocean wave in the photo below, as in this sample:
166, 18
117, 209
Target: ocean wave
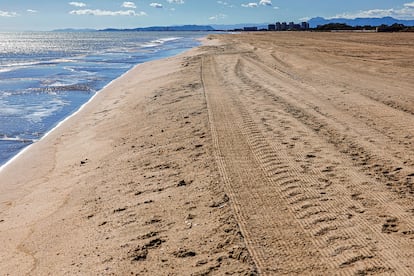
168, 39
159, 42
37, 113
27, 64
7, 111
15, 66
17, 139
64, 88
4, 94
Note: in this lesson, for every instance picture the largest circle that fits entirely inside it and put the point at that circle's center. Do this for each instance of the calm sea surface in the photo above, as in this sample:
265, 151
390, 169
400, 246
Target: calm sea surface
45, 77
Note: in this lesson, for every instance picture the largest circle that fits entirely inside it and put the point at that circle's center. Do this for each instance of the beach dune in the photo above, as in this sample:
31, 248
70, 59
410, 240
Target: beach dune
256, 153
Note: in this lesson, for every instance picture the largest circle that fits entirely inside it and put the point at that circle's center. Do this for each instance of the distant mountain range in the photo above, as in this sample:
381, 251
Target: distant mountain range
145, 29
314, 22
68, 30
165, 28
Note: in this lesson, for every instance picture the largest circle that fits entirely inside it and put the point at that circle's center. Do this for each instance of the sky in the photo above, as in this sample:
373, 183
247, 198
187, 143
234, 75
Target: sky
24, 15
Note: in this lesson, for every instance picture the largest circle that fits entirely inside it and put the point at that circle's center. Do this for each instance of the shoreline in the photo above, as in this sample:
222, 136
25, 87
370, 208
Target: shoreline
3, 166
63, 121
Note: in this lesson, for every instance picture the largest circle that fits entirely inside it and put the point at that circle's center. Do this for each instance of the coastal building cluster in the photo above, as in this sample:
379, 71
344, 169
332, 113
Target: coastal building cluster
291, 26
280, 26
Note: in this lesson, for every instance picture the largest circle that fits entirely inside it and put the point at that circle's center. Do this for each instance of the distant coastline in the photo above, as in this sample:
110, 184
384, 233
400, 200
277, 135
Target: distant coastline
183, 28
313, 23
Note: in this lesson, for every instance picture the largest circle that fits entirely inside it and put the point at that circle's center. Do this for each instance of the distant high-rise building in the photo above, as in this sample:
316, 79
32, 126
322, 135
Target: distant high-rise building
278, 26
272, 27
304, 26
291, 26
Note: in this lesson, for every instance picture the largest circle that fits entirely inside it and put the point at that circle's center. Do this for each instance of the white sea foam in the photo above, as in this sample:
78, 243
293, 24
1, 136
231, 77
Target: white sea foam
17, 139
36, 113
21, 65
7, 110
167, 39
158, 42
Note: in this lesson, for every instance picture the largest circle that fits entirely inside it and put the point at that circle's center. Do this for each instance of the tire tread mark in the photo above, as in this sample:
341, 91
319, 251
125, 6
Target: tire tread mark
308, 179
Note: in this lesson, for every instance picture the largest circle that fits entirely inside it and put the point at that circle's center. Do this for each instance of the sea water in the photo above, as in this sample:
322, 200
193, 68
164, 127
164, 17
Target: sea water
46, 76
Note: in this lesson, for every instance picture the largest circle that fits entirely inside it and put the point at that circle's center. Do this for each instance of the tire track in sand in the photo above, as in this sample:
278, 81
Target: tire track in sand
270, 237
339, 202
351, 136
282, 193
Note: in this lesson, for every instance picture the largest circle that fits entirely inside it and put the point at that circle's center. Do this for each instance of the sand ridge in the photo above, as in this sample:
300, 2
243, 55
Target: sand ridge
282, 153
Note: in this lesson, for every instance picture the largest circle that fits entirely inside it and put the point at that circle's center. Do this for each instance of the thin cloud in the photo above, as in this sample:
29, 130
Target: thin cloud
175, 1
265, 2
217, 16
307, 18
8, 14
129, 5
409, 5
250, 5
407, 12
400, 14
31, 11
224, 3
107, 13
156, 5
77, 4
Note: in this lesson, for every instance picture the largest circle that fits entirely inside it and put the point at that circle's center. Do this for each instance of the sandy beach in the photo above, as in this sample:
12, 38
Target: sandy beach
256, 153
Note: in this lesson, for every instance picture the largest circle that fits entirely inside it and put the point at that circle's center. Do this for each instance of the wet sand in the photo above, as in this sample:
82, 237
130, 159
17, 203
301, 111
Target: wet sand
269, 153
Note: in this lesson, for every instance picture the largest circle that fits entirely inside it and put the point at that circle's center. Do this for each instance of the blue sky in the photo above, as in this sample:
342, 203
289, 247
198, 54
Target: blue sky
18, 15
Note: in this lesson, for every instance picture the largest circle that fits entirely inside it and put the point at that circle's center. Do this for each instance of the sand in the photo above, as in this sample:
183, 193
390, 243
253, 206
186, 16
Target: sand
261, 153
